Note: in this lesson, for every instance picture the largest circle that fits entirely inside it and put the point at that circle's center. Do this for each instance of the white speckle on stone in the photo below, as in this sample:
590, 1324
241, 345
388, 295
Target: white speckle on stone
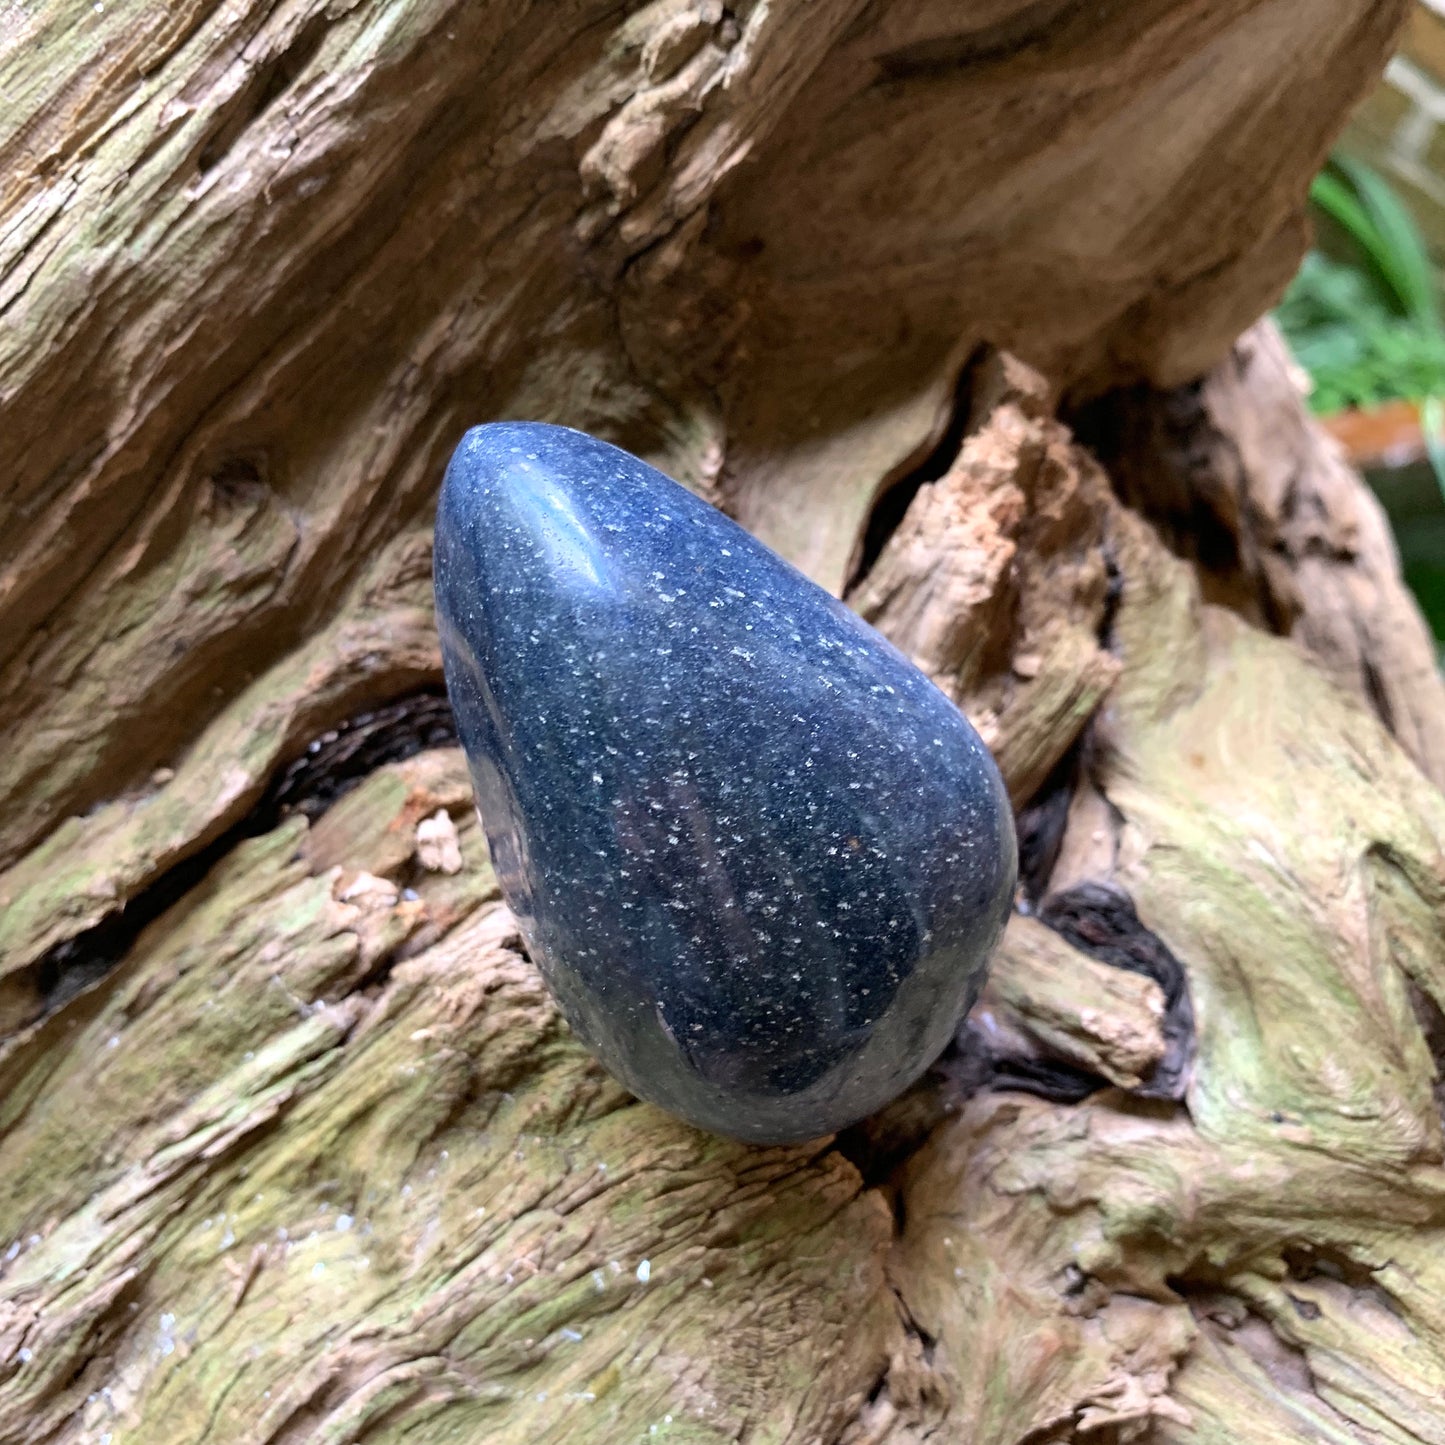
644, 1271
343, 1222
24, 1356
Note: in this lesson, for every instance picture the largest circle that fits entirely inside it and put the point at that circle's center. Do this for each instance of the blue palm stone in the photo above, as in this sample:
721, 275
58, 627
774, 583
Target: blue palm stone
759, 858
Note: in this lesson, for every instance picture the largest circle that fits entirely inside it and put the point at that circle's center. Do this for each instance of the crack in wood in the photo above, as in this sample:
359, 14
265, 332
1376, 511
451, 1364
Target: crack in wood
270, 80
1100, 919
333, 763
893, 501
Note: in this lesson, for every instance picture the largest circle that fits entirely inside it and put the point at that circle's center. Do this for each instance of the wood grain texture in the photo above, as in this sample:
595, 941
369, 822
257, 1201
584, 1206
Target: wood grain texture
263, 263
1260, 496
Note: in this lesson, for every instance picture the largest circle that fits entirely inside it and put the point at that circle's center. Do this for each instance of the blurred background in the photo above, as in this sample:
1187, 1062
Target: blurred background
1364, 314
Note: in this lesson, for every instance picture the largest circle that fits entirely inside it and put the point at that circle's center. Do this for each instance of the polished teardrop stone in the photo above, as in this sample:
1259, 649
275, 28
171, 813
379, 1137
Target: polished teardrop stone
759, 858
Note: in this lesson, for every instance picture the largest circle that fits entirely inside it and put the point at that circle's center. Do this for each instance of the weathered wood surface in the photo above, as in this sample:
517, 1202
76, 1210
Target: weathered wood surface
293, 1145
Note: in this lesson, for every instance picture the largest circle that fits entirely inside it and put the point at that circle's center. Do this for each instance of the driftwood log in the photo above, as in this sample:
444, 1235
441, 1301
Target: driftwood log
955, 306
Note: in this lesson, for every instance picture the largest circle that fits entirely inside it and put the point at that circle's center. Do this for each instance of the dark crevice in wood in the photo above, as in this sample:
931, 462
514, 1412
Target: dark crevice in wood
878, 1410
1113, 599
973, 1063
1431, 1018
272, 79
338, 759
876, 1146
1377, 693
892, 503
1101, 921
1307, 1261
1042, 823
1398, 888
969, 1064
73, 966
330, 767
1234, 1322
1037, 24
1161, 452
1050, 1079
240, 482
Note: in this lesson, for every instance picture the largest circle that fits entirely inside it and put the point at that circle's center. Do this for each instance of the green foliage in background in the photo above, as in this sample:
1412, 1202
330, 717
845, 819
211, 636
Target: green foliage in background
1363, 316
1357, 349
1365, 321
